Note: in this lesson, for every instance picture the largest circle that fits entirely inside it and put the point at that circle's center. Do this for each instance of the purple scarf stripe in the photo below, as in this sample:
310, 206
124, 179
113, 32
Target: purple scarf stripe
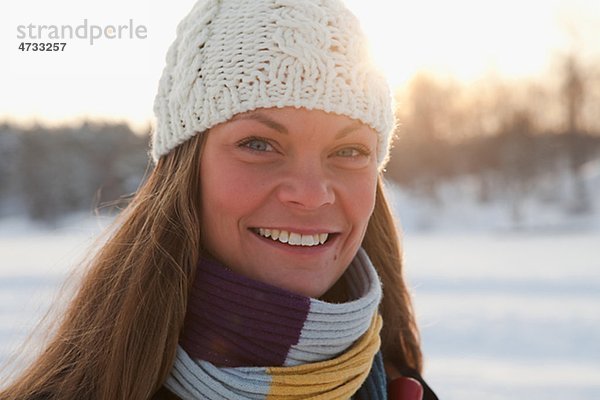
216, 273
223, 319
248, 303
228, 349
231, 286
229, 319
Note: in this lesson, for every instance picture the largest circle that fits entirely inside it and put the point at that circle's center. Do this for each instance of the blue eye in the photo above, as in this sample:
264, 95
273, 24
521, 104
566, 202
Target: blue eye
352, 152
348, 152
256, 144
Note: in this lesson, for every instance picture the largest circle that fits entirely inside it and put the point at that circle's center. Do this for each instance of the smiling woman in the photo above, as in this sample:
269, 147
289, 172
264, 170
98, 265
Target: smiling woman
259, 259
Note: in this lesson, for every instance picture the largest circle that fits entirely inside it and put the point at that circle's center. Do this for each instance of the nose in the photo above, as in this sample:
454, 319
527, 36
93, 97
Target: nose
306, 187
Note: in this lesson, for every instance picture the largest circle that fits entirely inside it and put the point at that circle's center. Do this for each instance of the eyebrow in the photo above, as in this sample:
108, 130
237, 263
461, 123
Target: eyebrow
356, 125
265, 120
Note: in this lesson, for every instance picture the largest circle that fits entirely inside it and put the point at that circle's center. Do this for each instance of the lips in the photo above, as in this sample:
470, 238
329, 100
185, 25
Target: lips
293, 238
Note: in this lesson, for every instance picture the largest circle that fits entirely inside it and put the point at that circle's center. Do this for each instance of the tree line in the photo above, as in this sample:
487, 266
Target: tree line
505, 136
46, 172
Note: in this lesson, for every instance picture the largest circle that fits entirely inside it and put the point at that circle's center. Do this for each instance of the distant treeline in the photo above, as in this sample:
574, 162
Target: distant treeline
515, 159
506, 168
510, 138
48, 172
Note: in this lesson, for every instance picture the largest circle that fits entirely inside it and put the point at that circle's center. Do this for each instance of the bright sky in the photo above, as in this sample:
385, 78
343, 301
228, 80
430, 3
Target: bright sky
117, 79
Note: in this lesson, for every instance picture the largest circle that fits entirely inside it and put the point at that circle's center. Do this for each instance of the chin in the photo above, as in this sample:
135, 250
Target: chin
314, 293
308, 289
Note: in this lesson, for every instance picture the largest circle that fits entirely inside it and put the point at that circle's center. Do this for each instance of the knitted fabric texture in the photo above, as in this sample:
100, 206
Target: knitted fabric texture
246, 339
233, 56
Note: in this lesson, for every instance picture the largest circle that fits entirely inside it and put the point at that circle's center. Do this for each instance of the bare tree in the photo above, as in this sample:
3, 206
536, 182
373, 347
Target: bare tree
574, 96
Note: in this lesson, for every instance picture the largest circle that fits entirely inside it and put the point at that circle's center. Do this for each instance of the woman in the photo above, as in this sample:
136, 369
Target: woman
251, 262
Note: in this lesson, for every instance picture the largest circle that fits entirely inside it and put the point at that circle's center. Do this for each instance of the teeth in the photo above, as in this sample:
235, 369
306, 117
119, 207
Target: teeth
323, 237
307, 240
293, 238
283, 236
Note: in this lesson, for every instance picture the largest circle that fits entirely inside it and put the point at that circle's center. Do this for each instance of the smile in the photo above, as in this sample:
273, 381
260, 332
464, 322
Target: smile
292, 238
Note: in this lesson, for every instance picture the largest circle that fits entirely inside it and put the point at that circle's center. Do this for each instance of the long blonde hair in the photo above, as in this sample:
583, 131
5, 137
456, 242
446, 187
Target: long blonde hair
119, 334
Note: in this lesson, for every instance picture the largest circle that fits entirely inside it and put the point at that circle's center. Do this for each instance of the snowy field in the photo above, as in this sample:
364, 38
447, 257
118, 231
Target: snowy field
503, 315
509, 316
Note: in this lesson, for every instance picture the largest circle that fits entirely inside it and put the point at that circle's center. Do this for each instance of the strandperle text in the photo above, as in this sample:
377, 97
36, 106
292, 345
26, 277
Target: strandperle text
90, 32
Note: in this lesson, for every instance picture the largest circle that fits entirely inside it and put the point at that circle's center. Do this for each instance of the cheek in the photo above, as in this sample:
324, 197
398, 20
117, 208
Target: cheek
229, 190
226, 195
359, 197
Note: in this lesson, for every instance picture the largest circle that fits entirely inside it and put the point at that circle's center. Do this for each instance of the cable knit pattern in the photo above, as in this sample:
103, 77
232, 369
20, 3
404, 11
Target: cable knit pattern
233, 56
246, 339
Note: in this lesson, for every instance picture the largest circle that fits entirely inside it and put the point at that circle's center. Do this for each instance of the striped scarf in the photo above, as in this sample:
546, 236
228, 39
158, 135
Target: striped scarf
245, 339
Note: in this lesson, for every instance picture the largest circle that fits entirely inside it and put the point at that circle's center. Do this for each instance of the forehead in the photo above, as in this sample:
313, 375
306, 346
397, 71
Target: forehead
287, 119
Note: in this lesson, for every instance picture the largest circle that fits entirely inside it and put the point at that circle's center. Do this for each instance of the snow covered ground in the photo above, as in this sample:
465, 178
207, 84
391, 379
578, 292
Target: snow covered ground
509, 316
504, 314
507, 293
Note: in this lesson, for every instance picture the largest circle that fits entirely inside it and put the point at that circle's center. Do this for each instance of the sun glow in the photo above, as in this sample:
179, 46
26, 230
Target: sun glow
463, 39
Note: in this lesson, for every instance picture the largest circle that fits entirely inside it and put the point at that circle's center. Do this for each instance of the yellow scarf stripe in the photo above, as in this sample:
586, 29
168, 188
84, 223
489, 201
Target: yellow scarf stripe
337, 378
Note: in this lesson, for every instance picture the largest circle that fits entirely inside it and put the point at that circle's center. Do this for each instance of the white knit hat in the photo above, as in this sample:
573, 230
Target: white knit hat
233, 56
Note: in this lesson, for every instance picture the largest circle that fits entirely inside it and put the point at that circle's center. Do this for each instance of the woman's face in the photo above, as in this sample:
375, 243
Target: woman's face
287, 194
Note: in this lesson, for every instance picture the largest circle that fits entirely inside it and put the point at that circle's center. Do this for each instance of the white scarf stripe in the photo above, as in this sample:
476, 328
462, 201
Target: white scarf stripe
193, 380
